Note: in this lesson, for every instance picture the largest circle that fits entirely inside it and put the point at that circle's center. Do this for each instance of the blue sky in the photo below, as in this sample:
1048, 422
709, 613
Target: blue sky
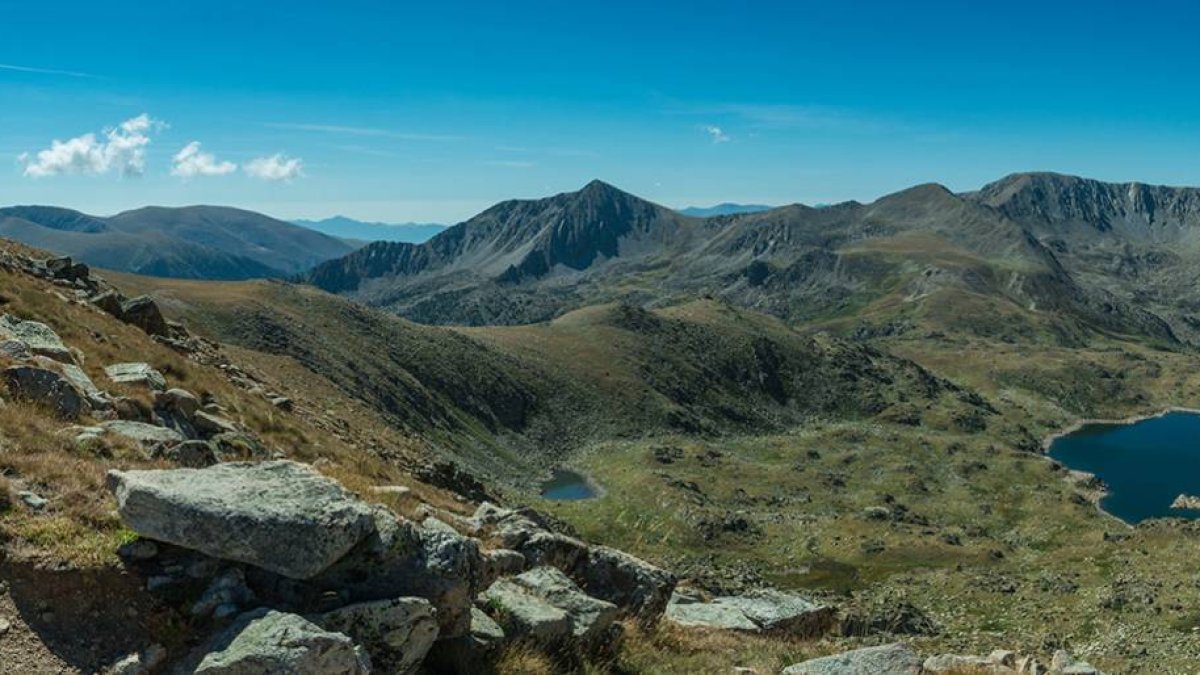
405, 111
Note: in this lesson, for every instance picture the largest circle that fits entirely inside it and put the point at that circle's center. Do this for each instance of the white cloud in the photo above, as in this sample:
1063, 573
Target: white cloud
275, 168
716, 134
122, 148
191, 162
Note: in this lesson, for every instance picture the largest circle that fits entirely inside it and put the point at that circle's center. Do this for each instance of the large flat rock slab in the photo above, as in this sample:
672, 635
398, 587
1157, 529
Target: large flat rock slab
281, 516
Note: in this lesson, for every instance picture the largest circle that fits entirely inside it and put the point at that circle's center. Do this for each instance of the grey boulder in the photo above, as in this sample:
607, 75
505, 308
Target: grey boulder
144, 313
893, 659
38, 337
634, 585
590, 618
281, 516
266, 642
148, 436
397, 633
46, 387
136, 373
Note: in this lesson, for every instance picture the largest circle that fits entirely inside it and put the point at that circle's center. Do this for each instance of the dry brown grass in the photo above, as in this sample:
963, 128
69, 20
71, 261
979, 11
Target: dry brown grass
521, 659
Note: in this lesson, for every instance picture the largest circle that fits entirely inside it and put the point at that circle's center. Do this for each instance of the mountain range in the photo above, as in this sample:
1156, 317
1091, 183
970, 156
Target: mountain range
195, 242
723, 209
1068, 247
360, 231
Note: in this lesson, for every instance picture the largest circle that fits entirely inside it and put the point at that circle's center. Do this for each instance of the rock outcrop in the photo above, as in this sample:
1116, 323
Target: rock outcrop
280, 516
397, 633
266, 642
756, 611
894, 659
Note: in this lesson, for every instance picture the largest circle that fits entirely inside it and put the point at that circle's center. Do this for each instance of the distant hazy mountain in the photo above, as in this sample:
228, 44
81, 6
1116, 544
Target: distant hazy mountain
724, 209
357, 230
195, 242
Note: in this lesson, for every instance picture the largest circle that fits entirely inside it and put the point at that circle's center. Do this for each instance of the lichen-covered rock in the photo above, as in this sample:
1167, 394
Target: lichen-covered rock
634, 585
471, 653
567, 554
280, 516
150, 437
46, 387
590, 618
501, 562
893, 659
144, 313
397, 633
266, 642
523, 614
400, 558
38, 337
136, 373
756, 611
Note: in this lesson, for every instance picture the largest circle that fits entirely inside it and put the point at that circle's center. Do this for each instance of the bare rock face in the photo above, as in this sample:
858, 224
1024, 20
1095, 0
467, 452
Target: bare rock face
401, 558
634, 585
281, 516
894, 659
38, 337
144, 313
757, 611
397, 633
46, 387
266, 642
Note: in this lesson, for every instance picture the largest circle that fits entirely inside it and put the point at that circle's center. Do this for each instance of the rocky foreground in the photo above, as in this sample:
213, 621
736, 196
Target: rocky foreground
297, 575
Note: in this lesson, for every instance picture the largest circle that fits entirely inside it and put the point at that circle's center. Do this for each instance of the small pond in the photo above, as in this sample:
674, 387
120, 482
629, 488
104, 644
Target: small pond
568, 486
1146, 465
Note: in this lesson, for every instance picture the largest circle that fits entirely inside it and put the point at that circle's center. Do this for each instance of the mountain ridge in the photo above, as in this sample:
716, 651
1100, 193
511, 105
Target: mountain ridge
203, 242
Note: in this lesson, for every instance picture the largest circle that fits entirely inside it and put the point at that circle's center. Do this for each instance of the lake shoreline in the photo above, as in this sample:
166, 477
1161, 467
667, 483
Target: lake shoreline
1098, 494
598, 491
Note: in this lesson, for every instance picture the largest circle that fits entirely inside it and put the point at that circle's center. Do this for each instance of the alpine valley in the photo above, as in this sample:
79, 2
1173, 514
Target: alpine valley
812, 438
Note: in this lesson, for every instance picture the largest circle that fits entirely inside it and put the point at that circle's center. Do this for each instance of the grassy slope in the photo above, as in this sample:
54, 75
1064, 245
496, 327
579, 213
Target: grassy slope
1000, 549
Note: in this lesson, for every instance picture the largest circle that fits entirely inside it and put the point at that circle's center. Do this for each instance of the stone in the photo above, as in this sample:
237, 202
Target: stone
1003, 657
590, 618
140, 663
776, 611
524, 615
282, 402
431, 523
179, 401
956, 663
471, 653
893, 659
501, 562
136, 373
556, 550
46, 387
1186, 502
634, 585
15, 349
38, 337
148, 436
212, 425
267, 642
1063, 663
709, 615
397, 633
400, 558
97, 400
32, 500
229, 589
110, 303
281, 516
143, 312
191, 454
491, 514
394, 490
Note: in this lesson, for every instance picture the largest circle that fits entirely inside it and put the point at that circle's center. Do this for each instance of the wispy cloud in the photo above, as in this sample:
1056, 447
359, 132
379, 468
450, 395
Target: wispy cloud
44, 71
191, 162
510, 163
365, 131
785, 116
275, 168
121, 148
716, 134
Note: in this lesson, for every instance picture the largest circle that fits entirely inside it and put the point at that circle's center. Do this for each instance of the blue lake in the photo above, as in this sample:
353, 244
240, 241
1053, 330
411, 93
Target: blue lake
567, 486
1146, 465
